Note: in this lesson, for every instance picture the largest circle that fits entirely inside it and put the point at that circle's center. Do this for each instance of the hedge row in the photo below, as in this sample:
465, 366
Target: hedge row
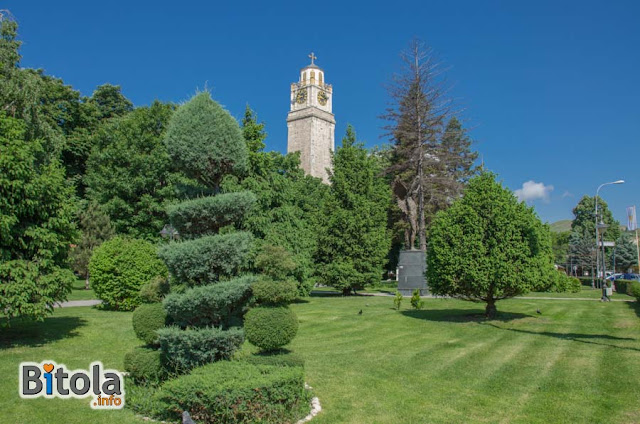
234, 392
187, 349
206, 215
278, 358
211, 305
632, 288
204, 260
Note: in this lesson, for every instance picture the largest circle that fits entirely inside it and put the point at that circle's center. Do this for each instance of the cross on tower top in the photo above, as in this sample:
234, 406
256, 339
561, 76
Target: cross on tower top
313, 57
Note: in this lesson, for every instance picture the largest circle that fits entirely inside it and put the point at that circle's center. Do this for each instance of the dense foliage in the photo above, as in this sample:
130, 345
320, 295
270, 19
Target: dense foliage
353, 249
287, 213
147, 319
145, 365
211, 305
36, 225
206, 215
130, 173
96, 228
119, 268
187, 349
205, 141
235, 392
488, 246
270, 327
268, 291
206, 259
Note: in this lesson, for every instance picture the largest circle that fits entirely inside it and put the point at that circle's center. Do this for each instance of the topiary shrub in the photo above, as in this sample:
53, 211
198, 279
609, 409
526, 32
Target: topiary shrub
147, 319
211, 305
267, 291
277, 358
270, 328
187, 349
119, 268
206, 215
275, 261
145, 365
154, 291
206, 259
236, 392
205, 142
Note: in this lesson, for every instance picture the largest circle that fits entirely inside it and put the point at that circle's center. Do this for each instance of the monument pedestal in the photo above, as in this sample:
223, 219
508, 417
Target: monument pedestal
412, 264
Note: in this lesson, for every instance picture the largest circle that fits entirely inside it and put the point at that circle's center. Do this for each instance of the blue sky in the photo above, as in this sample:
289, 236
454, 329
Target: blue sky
550, 90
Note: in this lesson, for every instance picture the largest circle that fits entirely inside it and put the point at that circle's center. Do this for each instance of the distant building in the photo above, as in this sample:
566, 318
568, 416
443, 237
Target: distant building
310, 122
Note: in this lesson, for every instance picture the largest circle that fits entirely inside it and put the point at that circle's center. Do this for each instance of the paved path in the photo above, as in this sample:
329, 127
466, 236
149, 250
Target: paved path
70, 303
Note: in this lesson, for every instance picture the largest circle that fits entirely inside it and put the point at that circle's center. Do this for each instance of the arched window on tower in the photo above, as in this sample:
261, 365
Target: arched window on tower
304, 77
320, 77
313, 77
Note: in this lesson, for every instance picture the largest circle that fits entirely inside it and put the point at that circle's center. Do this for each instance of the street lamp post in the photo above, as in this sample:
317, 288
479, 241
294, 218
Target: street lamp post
597, 262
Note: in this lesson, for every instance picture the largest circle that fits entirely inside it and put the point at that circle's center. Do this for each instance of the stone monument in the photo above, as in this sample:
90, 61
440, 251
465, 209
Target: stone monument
412, 263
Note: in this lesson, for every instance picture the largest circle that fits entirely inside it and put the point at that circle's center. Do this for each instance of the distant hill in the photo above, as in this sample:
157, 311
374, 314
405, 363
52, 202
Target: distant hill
561, 226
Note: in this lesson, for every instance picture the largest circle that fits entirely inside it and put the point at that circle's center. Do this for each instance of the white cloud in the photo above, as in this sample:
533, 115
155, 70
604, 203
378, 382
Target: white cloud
532, 190
567, 194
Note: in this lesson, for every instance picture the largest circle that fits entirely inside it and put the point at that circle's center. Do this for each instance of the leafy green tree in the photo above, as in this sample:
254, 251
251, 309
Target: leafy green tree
287, 213
110, 101
96, 228
356, 241
560, 246
584, 220
130, 173
582, 252
488, 246
36, 225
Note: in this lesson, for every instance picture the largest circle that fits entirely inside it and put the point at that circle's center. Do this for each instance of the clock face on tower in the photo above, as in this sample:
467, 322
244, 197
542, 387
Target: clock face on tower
301, 97
322, 98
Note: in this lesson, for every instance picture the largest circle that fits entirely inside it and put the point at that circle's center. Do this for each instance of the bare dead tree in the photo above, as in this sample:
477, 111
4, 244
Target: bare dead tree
419, 109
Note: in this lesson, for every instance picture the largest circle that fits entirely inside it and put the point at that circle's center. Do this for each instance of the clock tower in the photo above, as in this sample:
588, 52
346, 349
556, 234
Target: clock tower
311, 124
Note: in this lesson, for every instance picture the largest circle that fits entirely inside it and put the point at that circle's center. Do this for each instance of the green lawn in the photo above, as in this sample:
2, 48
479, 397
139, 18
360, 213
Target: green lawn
73, 337
577, 362
79, 293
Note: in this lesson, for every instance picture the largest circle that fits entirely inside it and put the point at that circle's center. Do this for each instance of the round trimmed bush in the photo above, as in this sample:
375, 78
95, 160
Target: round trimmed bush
147, 319
270, 328
119, 268
145, 365
274, 292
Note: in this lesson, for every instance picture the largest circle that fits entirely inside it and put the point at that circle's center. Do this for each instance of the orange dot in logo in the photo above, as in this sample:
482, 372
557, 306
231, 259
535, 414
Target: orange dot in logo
48, 367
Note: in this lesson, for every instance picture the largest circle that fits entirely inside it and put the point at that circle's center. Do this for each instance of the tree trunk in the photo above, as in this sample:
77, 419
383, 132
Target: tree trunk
86, 282
491, 311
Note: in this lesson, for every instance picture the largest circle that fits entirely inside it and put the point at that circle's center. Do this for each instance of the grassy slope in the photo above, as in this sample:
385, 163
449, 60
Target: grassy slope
561, 226
440, 366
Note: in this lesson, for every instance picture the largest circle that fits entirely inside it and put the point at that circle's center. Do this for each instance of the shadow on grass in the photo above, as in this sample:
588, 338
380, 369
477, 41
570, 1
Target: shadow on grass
461, 315
325, 294
34, 333
595, 339
635, 306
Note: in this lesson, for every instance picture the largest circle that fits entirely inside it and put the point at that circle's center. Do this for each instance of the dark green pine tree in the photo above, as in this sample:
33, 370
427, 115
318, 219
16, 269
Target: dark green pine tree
96, 228
354, 247
626, 253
